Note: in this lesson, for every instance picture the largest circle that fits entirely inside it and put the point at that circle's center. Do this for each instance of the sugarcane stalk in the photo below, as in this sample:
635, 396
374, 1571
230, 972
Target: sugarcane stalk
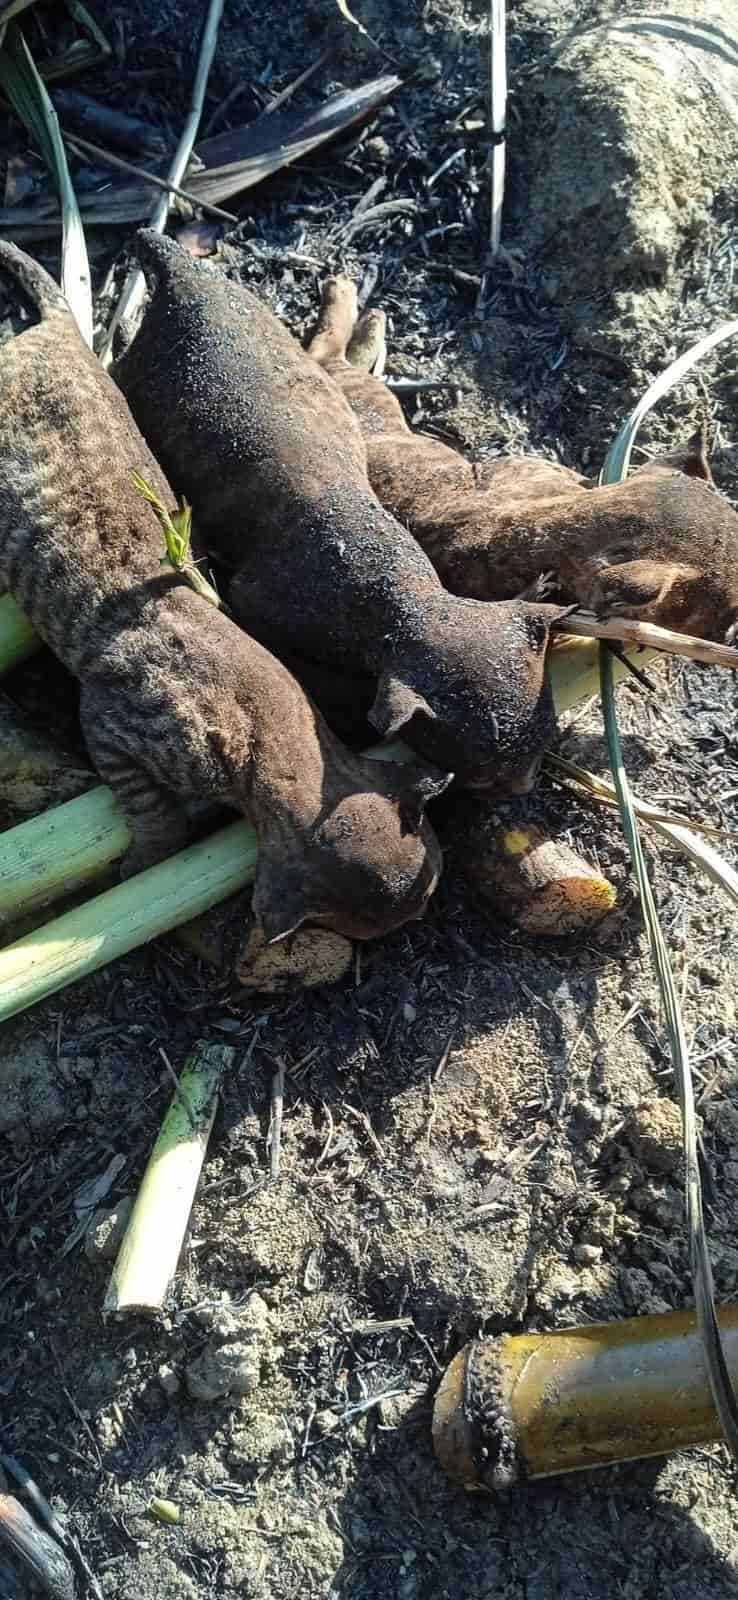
82, 940
533, 1405
574, 673
533, 880
148, 1256
51, 855
17, 637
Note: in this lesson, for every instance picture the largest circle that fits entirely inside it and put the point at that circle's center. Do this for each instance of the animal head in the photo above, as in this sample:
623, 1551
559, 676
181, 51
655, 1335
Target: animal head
672, 555
474, 696
368, 863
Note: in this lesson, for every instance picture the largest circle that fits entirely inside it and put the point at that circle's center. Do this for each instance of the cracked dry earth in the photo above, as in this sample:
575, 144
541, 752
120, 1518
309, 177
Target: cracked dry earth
479, 1129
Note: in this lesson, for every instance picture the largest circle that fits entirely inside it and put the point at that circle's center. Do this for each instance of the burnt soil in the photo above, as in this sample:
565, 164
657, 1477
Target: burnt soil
461, 1149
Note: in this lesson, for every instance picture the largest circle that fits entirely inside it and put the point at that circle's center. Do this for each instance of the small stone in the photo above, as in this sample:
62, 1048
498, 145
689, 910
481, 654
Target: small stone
325, 1421
255, 1313
169, 1381
637, 1291
105, 1232
653, 1130
378, 148
225, 1369
588, 1254
164, 1510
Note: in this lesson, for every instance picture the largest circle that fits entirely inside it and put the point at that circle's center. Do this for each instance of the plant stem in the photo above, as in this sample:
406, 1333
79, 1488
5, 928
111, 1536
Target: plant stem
148, 1256
88, 937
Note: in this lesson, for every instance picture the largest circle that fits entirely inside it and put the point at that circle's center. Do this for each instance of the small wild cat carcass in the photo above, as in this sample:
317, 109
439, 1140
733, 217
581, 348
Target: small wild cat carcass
661, 547
177, 703
269, 454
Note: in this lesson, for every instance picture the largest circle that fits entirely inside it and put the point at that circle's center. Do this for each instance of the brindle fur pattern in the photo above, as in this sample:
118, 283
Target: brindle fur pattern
267, 450
177, 703
661, 547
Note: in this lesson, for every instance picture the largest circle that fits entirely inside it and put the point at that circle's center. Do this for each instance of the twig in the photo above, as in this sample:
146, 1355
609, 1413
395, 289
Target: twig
133, 287
328, 1139
275, 1125
498, 114
367, 1326
649, 637
377, 214
292, 88
122, 165
364, 1122
182, 1098
445, 1053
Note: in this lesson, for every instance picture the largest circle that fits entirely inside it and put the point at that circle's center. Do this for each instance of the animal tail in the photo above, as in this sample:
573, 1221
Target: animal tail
161, 258
35, 282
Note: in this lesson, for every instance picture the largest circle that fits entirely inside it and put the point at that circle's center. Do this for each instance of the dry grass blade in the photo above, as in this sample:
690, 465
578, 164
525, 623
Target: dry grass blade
25, 90
234, 161
349, 15
14, 9
498, 112
717, 1367
275, 1127
121, 165
618, 456
133, 288
597, 788
82, 53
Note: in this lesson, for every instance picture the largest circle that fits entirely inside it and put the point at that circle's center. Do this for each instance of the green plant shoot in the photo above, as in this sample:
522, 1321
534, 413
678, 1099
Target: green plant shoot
177, 529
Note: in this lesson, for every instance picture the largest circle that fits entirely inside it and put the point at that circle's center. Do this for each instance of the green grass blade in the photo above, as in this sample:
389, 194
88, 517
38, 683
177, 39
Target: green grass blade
20, 81
617, 459
717, 1368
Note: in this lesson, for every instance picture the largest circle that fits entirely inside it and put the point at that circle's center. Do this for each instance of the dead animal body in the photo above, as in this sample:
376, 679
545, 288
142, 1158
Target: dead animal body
267, 450
661, 547
177, 703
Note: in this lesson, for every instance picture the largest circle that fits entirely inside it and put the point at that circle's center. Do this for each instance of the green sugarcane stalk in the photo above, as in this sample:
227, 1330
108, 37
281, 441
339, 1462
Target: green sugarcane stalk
82, 940
148, 1256
17, 637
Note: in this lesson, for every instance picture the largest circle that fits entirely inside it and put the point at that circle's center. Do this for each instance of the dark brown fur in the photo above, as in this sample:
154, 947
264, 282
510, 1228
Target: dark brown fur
661, 547
177, 702
268, 452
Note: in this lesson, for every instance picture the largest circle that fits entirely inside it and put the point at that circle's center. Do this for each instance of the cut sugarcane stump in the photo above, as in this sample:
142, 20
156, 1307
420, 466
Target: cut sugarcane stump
226, 939
309, 959
533, 1405
35, 772
532, 879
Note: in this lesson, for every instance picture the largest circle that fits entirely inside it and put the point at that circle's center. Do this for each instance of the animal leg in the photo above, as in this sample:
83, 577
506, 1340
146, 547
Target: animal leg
336, 320
367, 348
157, 818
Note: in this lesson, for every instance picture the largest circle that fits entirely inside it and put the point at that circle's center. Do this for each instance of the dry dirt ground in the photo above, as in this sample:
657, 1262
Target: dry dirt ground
459, 1145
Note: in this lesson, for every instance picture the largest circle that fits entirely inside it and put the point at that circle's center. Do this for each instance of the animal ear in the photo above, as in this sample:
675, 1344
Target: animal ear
278, 901
395, 703
690, 458
422, 785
